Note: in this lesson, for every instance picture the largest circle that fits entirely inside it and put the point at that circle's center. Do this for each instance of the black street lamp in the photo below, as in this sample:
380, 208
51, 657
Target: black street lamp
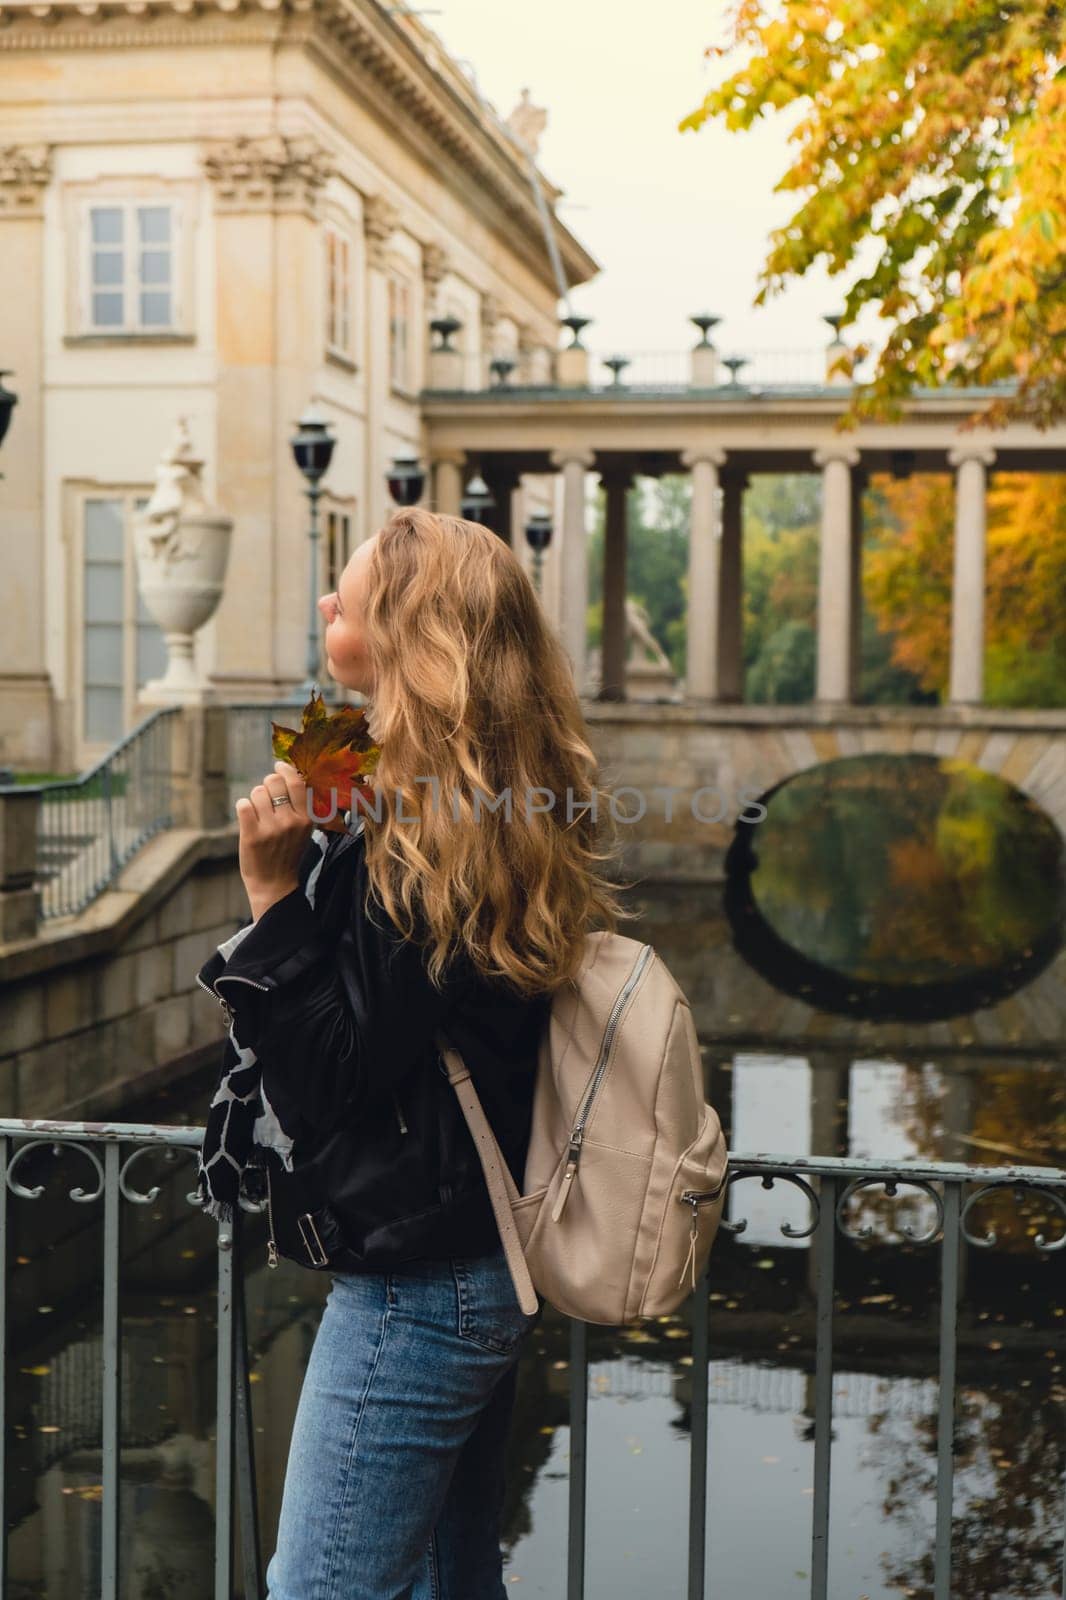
406, 480
478, 499
538, 536
312, 447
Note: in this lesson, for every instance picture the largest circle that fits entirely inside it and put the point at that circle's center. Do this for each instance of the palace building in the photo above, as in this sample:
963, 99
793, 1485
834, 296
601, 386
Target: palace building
226, 212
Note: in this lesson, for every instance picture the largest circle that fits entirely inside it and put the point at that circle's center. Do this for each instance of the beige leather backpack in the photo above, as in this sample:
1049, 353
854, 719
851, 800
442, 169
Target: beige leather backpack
625, 1179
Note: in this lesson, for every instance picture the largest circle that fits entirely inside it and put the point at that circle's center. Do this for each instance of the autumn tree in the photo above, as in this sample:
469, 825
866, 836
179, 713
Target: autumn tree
907, 582
930, 155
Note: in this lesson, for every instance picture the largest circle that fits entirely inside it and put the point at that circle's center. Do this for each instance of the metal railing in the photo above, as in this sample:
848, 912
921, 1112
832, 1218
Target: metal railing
88, 827
829, 1185
106, 1147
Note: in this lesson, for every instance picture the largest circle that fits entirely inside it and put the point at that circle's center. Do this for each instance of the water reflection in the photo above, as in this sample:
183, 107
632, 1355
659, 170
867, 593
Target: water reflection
795, 1081
897, 886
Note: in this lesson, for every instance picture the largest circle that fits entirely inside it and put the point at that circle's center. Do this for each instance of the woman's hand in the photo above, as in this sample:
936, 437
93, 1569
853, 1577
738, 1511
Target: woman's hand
273, 838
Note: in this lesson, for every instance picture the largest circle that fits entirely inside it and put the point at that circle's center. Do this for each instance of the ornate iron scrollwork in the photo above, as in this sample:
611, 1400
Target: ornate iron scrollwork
1019, 1186
891, 1185
78, 1194
767, 1179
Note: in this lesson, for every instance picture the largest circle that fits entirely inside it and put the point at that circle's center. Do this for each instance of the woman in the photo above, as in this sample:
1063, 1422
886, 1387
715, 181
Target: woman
394, 1482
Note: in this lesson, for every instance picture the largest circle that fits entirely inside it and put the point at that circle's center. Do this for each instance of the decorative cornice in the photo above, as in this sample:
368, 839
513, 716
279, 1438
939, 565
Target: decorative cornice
272, 173
380, 221
344, 34
25, 173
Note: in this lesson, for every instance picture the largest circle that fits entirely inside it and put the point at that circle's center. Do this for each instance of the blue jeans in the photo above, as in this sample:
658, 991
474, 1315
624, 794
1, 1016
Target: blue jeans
394, 1483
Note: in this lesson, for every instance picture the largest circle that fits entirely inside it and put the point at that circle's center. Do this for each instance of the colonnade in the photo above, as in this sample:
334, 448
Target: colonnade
714, 665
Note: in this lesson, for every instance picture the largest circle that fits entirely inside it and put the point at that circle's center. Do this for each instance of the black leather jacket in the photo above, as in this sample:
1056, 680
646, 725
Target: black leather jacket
340, 1012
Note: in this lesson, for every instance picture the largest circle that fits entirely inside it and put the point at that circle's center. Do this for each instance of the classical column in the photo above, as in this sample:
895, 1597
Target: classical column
27, 733
448, 466
573, 557
860, 478
380, 220
733, 480
971, 461
838, 556
701, 662
613, 652
266, 194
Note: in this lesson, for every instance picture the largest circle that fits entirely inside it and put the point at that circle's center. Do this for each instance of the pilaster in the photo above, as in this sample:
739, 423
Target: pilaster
27, 704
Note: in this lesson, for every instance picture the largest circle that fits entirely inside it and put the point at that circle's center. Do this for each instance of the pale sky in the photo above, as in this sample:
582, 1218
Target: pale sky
679, 221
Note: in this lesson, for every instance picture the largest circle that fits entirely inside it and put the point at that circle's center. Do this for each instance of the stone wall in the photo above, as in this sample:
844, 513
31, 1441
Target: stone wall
88, 1010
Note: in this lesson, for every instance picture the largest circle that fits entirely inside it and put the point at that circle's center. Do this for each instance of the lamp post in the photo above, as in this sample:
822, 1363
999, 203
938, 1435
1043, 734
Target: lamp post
538, 536
406, 480
312, 446
478, 498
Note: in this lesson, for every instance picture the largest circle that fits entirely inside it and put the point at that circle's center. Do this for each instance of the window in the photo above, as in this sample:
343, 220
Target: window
400, 316
338, 531
130, 267
122, 648
338, 293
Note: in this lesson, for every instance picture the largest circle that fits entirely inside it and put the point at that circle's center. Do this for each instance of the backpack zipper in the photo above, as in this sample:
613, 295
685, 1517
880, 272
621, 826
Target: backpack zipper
272, 1249
696, 1198
577, 1133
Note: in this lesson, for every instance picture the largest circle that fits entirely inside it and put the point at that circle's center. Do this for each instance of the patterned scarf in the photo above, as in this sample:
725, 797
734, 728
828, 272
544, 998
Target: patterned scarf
241, 1122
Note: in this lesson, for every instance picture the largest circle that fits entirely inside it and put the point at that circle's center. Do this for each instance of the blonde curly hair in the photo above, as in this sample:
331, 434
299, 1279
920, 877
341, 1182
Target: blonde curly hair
474, 700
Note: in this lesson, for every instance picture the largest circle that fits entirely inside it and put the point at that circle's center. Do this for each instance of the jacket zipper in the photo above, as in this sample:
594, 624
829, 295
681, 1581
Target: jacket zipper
399, 1112
577, 1133
227, 1009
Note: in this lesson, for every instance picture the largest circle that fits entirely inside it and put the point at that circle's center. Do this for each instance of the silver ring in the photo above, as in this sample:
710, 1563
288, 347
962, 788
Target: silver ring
280, 800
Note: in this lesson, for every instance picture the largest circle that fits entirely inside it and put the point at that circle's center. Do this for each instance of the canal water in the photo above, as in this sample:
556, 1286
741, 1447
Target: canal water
795, 1068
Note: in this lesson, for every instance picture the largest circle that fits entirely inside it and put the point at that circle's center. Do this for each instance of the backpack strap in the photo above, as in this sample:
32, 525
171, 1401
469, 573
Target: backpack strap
501, 1185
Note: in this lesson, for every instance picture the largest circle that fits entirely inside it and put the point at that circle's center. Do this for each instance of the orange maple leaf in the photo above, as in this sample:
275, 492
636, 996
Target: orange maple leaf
332, 751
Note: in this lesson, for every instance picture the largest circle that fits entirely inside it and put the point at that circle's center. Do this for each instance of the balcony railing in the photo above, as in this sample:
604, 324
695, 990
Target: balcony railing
828, 1185
645, 372
88, 827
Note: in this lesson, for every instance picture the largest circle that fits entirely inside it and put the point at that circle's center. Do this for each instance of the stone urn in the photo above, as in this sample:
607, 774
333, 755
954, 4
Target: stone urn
182, 549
